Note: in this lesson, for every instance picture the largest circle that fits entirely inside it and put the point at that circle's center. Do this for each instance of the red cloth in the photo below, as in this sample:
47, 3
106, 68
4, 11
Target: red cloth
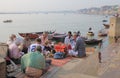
69, 47
60, 47
60, 62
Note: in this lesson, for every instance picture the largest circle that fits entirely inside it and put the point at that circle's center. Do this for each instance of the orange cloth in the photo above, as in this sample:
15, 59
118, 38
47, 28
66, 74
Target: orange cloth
60, 47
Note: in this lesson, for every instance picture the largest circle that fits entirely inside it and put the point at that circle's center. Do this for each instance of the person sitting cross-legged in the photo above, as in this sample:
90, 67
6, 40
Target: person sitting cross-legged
33, 46
33, 63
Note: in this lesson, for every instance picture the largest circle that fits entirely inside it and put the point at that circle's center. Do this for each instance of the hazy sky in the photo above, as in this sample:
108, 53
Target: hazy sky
50, 5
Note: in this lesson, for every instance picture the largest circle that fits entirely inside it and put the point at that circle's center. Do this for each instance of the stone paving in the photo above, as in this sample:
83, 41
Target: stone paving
110, 68
90, 68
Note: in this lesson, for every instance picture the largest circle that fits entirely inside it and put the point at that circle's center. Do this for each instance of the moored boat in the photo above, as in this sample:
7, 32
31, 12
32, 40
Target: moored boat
102, 34
34, 35
93, 41
104, 21
106, 25
30, 35
59, 37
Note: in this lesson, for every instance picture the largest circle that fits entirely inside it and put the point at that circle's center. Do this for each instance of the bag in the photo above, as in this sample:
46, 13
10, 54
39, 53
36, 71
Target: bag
59, 55
12, 66
33, 72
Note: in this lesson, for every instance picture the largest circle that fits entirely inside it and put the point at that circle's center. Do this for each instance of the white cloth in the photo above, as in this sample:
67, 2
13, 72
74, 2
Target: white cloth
68, 40
33, 47
72, 52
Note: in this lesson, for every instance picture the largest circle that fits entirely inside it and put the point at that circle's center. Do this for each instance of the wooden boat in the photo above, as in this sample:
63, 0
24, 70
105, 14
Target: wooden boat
7, 21
35, 35
104, 20
30, 35
102, 34
59, 37
93, 41
106, 25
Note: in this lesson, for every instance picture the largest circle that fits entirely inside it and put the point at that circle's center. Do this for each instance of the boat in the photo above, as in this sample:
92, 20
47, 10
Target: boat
93, 41
104, 21
106, 25
34, 35
103, 32
58, 37
30, 35
7, 21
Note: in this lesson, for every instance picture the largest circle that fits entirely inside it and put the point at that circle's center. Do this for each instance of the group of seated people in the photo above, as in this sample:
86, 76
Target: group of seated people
75, 44
32, 54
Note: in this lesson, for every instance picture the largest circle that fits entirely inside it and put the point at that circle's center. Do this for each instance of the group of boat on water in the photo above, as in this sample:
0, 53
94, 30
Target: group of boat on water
59, 37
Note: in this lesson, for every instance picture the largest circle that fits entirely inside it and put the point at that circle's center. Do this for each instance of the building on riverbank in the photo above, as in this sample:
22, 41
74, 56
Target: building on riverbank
114, 31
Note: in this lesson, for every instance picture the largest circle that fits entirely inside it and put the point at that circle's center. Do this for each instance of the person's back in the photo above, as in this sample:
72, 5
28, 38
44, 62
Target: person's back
34, 60
81, 43
80, 46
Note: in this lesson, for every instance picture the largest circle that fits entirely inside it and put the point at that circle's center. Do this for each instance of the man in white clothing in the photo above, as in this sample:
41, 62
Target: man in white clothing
33, 46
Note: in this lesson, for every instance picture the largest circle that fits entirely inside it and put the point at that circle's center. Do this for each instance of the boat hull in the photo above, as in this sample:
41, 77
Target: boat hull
93, 42
106, 25
30, 35
35, 35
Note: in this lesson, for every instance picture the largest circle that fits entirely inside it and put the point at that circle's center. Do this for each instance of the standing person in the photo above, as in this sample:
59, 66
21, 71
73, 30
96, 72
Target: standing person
79, 46
34, 45
99, 51
33, 64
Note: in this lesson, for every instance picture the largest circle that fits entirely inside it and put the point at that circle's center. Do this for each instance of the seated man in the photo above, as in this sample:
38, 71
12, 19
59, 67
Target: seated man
33, 63
12, 38
15, 52
79, 46
34, 45
44, 38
